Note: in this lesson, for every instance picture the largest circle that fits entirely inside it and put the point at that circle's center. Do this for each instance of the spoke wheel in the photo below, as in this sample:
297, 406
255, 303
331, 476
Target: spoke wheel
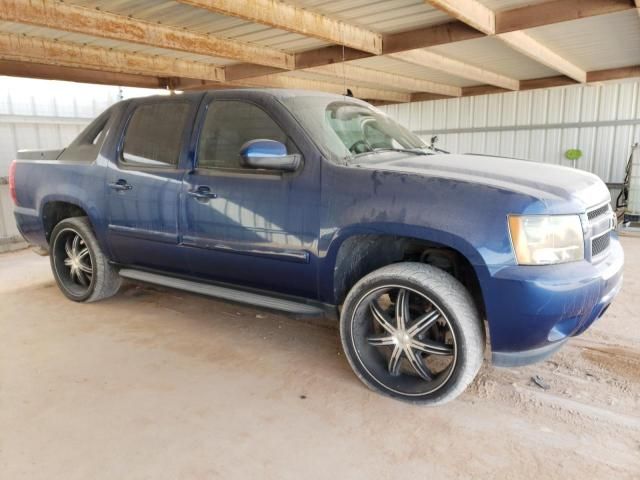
73, 262
412, 331
405, 340
81, 269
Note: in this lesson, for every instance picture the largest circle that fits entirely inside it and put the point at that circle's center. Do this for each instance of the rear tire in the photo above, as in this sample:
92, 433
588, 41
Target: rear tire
81, 270
412, 332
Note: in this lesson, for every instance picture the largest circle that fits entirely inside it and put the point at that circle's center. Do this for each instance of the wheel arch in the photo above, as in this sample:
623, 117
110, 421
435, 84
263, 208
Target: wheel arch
54, 209
355, 252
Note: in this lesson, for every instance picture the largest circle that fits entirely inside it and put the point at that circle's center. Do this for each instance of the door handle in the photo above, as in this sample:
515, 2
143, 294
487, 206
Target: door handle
120, 185
202, 193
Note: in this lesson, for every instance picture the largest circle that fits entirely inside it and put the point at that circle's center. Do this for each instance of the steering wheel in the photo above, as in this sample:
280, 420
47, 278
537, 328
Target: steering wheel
359, 147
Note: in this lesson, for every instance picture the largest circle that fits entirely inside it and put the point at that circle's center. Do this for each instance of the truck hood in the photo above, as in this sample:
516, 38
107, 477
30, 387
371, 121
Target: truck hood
551, 184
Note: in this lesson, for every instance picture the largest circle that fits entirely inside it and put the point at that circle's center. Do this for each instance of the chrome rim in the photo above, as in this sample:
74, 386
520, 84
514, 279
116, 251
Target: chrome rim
404, 340
73, 262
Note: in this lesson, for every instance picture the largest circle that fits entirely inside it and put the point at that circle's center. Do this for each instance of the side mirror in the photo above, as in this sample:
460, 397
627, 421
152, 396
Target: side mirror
268, 155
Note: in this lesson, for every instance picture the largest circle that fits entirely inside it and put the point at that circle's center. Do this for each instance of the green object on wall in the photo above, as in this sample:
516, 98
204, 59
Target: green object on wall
573, 154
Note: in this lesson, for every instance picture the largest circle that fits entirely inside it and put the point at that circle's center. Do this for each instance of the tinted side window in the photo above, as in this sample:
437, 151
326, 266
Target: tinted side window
86, 146
94, 131
154, 134
227, 126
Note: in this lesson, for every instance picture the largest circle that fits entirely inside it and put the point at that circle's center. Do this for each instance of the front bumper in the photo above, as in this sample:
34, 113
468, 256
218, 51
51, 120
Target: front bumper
533, 310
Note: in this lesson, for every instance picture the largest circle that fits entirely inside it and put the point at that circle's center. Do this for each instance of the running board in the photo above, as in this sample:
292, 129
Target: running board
224, 293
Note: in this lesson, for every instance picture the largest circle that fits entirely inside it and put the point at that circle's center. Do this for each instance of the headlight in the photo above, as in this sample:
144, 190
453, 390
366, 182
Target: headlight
546, 239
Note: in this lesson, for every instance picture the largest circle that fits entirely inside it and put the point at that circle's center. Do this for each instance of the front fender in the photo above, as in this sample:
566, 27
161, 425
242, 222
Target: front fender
329, 255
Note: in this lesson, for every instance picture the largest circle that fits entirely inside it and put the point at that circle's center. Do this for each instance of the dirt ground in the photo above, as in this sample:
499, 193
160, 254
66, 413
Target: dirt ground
160, 384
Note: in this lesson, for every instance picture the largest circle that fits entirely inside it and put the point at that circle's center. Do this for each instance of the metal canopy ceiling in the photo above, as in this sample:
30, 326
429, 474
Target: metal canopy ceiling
395, 50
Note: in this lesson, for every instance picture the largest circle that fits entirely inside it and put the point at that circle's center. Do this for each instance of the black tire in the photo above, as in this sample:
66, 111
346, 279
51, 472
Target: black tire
82, 259
443, 327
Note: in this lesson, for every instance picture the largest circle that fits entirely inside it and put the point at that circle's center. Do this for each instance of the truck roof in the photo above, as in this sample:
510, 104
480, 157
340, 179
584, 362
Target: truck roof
272, 92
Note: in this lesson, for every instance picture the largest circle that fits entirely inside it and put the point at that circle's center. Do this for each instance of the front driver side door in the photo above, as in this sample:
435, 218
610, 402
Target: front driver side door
255, 228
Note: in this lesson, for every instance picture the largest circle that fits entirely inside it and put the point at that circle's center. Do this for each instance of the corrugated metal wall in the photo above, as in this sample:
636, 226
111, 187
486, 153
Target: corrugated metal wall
602, 120
40, 114
47, 115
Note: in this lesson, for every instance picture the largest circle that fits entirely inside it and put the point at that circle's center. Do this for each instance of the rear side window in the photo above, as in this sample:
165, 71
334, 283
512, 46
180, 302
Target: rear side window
87, 145
95, 131
154, 134
228, 125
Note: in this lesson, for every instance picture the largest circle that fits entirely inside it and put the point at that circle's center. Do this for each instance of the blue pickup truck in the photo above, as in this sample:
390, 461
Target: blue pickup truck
317, 204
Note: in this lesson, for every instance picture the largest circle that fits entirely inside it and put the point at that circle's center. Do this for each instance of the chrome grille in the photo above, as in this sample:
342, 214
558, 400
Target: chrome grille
600, 244
601, 222
597, 212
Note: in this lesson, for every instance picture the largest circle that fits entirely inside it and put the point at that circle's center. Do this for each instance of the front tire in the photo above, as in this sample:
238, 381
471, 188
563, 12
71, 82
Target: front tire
411, 331
81, 270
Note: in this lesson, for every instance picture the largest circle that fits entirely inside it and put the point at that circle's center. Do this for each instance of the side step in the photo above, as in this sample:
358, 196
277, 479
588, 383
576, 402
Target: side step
224, 293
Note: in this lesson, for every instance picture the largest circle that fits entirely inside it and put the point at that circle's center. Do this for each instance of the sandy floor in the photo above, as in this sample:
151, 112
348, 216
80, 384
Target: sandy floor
160, 384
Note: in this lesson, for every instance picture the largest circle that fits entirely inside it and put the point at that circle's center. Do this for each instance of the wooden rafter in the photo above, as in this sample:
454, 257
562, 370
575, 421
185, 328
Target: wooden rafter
614, 74
50, 52
475, 14
471, 12
14, 68
72, 18
555, 11
525, 44
431, 36
260, 61
354, 73
277, 14
287, 81
450, 66
258, 64
545, 82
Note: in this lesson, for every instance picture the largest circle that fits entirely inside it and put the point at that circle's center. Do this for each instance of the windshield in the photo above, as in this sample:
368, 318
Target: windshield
349, 129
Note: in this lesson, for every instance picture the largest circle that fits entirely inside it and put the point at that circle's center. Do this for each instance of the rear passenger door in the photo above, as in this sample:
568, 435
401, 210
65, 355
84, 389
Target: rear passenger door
258, 227
144, 183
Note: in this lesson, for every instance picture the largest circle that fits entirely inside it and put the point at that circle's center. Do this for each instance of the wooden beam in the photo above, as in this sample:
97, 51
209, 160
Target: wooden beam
51, 52
532, 84
614, 74
484, 19
394, 81
429, 37
277, 14
471, 12
74, 74
526, 45
398, 42
530, 16
481, 90
454, 31
288, 81
546, 82
435, 61
327, 55
284, 81
427, 97
239, 71
72, 18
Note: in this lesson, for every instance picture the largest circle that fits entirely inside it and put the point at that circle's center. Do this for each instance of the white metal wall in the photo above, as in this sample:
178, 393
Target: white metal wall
41, 114
602, 120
